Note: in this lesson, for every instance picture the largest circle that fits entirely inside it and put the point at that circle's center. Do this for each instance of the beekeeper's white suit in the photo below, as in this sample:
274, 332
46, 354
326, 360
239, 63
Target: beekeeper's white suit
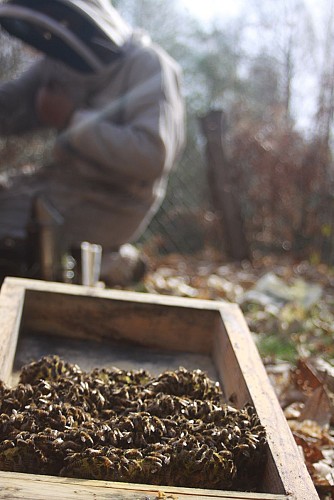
126, 130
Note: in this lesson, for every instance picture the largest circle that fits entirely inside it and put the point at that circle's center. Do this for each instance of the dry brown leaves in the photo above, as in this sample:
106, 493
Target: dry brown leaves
305, 385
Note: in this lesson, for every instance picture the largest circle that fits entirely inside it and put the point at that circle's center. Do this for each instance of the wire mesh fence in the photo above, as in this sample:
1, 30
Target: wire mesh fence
182, 222
287, 207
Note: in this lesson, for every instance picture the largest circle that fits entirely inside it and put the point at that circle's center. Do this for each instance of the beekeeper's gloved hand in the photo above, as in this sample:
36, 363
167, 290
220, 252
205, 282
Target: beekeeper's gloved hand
53, 107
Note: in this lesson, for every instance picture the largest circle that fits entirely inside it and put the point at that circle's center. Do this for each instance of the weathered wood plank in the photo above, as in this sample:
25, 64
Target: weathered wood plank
234, 350
152, 322
11, 304
18, 486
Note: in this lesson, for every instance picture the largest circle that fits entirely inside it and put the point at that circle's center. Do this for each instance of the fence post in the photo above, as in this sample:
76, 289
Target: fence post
223, 189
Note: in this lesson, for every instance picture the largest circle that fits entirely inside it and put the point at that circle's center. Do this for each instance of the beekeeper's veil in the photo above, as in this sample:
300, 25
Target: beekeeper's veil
84, 34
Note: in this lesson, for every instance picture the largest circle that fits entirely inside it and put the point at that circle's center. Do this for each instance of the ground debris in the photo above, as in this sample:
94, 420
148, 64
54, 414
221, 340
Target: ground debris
291, 318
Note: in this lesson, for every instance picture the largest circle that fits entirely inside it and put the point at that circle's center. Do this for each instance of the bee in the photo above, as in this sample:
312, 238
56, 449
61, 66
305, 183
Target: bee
122, 425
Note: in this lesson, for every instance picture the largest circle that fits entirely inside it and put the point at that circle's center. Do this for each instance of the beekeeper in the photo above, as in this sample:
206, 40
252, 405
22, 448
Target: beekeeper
114, 99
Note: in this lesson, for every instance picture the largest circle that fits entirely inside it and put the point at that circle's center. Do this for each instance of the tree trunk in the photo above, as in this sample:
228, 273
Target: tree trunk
224, 190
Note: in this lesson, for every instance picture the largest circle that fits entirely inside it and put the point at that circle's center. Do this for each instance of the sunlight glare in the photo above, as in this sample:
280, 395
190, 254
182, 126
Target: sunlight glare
210, 9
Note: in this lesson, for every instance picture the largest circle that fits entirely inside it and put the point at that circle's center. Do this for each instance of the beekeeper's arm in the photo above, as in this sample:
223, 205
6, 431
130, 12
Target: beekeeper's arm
152, 129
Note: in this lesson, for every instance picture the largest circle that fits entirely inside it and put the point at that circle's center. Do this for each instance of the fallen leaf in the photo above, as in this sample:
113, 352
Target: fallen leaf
305, 376
318, 407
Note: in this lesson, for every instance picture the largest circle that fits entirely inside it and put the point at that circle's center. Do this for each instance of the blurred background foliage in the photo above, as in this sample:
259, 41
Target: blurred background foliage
270, 70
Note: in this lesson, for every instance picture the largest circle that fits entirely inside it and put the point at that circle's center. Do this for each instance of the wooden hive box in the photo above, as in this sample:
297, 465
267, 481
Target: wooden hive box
94, 327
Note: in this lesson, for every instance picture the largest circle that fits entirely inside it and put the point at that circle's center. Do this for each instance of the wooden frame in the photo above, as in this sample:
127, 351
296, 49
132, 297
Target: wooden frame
199, 327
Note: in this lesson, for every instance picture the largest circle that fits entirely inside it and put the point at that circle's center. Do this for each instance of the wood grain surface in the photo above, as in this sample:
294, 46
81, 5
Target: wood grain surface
94, 327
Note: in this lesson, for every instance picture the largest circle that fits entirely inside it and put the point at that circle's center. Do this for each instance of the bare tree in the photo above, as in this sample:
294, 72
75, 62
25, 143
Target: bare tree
324, 114
285, 33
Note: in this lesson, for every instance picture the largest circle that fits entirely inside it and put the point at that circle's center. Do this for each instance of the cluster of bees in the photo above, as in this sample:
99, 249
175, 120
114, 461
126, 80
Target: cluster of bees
118, 425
